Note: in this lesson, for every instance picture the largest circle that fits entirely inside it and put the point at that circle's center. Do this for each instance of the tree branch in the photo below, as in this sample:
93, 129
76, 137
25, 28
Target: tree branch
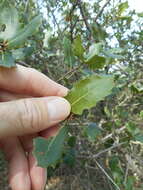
69, 72
54, 18
101, 11
84, 17
105, 173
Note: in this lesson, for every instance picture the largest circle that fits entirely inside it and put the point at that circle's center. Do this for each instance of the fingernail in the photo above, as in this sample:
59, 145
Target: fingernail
63, 92
58, 108
44, 178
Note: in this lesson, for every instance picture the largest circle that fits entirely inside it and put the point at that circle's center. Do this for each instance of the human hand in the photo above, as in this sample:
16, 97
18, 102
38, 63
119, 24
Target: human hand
30, 106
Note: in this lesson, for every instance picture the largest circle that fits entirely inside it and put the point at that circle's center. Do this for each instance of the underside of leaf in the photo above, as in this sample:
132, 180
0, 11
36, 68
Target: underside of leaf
7, 60
48, 152
8, 21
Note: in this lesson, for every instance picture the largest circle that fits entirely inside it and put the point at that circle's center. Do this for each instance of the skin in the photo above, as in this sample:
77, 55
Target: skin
31, 105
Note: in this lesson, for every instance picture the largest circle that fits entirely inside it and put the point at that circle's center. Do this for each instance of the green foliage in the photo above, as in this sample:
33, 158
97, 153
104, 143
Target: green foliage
140, 14
48, 152
99, 33
78, 48
7, 60
130, 183
141, 114
68, 51
137, 87
93, 57
70, 157
117, 172
87, 92
12, 36
139, 138
8, 18
92, 131
72, 141
24, 33
132, 128
122, 7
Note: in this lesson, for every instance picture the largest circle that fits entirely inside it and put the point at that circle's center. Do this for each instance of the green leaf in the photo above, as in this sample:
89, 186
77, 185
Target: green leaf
114, 162
122, 7
18, 54
141, 114
92, 131
70, 157
7, 60
130, 183
68, 52
96, 62
71, 141
109, 54
87, 92
117, 171
140, 14
23, 34
98, 32
93, 58
132, 128
78, 48
139, 138
94, 49
21, 53
137, 87
48, 152
8, 21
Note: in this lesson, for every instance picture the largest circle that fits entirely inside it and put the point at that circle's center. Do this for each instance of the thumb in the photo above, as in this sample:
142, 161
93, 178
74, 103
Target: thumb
32, 115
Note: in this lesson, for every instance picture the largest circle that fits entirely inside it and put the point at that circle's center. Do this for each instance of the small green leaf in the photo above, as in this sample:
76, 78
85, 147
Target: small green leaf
78, 48
93, 58
117, 171
18, 54
139, 138
68, 52
70, 157
94, 49
87, 92
7, 60
23, 34
132, 128
130, 183
109, 54
98, 32
140, 14
122, 7
92, 131
48, 152
71, 141
8, 21
114, 162
21, 53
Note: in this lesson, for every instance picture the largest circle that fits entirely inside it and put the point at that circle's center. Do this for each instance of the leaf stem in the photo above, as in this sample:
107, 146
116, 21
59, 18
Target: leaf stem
84, 18
69, 72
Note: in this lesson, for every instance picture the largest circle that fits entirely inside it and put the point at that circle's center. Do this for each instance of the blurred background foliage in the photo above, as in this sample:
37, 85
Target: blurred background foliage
104, 150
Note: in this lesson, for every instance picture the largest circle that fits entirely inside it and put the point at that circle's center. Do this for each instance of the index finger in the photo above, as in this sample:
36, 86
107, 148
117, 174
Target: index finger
29, 81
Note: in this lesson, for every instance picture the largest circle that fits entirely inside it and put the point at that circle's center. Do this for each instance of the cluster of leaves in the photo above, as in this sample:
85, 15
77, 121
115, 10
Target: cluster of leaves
96, 58
12, 34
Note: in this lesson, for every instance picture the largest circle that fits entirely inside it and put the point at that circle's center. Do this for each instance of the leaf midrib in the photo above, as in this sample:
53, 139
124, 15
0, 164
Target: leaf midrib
83, 96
